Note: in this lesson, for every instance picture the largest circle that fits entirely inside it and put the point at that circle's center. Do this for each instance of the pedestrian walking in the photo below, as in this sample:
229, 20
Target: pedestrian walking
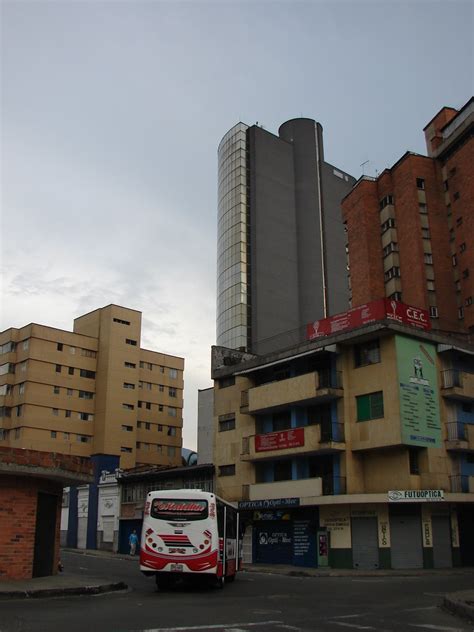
133, 541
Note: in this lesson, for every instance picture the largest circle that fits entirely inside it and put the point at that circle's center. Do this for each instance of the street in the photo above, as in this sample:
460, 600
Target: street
254, 602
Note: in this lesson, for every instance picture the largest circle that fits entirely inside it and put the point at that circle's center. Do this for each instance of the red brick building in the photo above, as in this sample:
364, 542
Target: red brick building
31, 486
411, 230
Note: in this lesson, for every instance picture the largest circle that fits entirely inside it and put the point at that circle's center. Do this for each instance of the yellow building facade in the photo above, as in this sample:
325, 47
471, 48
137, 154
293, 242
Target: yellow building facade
92, 391
352, 450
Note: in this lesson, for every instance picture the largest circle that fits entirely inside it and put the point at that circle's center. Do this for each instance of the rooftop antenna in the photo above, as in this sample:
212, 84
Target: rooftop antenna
363, 166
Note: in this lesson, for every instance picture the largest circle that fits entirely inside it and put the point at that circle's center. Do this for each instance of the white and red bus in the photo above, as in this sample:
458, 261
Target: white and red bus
189, 534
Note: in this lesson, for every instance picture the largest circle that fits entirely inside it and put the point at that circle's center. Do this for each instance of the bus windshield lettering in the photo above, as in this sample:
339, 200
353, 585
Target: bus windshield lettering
179, 509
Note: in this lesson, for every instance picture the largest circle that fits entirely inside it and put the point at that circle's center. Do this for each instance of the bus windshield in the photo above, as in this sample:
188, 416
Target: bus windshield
179, 509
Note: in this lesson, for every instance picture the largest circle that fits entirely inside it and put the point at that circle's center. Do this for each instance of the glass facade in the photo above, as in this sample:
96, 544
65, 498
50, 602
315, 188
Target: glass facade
232, 240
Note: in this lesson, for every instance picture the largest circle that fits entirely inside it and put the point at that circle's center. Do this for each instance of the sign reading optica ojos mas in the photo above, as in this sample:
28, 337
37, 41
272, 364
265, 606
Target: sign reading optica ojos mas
418, 393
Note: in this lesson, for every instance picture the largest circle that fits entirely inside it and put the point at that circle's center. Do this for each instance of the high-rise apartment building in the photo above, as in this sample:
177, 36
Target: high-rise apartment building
91, 392
411, 230
281, 258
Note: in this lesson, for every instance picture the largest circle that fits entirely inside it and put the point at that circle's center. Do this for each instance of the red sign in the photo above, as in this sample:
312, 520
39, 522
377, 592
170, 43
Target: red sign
382, 309
279, 440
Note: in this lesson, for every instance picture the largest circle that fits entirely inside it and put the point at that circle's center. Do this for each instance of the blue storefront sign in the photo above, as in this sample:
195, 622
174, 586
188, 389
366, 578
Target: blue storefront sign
273, 503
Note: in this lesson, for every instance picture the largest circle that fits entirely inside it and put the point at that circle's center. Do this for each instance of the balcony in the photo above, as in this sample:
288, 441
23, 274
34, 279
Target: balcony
324, 438
306, 487
302, 390
460, 436
457, 384
461, 484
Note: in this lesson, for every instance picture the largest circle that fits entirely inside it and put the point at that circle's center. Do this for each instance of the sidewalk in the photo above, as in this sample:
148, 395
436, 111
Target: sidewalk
461, 603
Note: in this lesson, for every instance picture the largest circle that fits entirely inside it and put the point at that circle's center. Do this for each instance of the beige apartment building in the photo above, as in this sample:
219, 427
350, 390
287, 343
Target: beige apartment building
354, 448
91, 391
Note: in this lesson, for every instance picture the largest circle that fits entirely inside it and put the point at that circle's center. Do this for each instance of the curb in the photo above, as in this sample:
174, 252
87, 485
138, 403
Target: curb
43, 593
455, 604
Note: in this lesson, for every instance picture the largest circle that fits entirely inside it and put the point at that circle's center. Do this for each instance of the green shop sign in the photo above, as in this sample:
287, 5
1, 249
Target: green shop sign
418, 393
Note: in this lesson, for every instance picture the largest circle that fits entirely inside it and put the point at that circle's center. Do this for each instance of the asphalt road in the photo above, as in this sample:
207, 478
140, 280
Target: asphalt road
254, 602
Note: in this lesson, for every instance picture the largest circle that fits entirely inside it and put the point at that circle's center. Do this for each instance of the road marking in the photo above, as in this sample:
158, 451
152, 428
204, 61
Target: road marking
425, 608
430, 626
354, 625
347, 616
219, 626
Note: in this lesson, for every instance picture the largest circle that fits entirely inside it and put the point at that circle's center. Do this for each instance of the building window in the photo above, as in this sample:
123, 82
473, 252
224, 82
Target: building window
88, 374
389, 248
386, 201
173, 374
160, 427
457, 285
147, 425
130, 365
127, 428
413, 460
162, 369
69, 392
19, 411
392, 273
456, 195
433, 312
88, 353
430, 285
58, 368
367, 353
160, 408
462, 247
72, 350
59, 346
282, 470
66, 436
446, 185
128, 406
369, 406
454, 260
172, 431
128, 385
425, 232
71, 370
86, 395
129, 341
428, 257
17, 433
468, 301
125, 449
122, 322
171, 411
227, 470
459, 221
420, 184
84, 416
56, 390
396, 296
55, 412
422, 208
227, 424
465, 273
67, 413
171, 450
21, 388
226, 381
53, 434
172, 392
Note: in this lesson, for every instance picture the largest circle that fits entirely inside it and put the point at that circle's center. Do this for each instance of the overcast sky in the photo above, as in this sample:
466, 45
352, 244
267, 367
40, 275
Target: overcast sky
112, 112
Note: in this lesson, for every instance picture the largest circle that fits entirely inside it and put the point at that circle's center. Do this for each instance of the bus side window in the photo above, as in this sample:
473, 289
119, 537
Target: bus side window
231, 523
220, 519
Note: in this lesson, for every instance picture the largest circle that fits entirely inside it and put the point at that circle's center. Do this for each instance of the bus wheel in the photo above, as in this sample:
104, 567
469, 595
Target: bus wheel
220, 582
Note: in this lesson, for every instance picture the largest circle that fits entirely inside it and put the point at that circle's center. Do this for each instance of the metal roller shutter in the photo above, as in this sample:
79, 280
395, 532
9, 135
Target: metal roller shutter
442, 554
365, 546
405, 536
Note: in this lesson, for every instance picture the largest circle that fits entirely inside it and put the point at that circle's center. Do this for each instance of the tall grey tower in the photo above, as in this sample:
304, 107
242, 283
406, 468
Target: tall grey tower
281, 259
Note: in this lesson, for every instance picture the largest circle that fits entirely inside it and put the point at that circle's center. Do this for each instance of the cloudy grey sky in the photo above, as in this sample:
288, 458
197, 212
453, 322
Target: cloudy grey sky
111, 115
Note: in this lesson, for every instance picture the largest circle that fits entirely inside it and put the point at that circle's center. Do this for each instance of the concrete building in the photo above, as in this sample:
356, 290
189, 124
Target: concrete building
93, 392
205, 421
279, 227
352, 449
410, 231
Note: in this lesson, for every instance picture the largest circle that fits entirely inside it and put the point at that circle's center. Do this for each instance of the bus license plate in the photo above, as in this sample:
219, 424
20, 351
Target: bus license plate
177, 567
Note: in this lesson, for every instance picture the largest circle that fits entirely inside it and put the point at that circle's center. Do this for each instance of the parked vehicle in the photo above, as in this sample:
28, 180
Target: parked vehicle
189, 534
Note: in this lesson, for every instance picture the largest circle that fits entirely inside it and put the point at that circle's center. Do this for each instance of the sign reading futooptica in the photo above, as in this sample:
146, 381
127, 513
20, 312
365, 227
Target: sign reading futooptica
415, 495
